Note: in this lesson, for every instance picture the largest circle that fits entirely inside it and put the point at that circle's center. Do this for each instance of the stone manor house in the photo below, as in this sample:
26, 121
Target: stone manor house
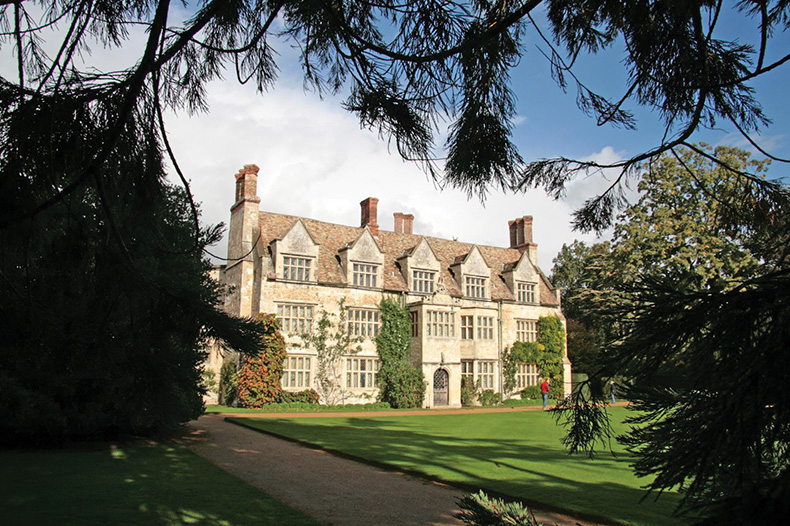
466, 302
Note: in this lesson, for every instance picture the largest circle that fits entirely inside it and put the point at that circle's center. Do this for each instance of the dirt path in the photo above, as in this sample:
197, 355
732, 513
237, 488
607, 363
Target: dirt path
334, 490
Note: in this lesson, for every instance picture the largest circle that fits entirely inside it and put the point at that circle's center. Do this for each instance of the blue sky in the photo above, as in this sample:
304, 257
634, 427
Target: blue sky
316, 161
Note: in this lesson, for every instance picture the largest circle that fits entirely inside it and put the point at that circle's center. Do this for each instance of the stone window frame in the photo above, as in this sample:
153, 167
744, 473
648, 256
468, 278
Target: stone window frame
414, 323
440, 324
485, 374
467, 327
527, 330
485, 327
526, 291
365, 275
293, 316
363, 322
297, 372
475, 287
362, 370
423, 281
468, 369
291, 265
527, 374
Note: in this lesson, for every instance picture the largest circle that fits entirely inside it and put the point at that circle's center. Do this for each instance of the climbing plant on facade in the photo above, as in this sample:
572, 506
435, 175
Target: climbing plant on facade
546, 353
331, 340
401, 384
260, 377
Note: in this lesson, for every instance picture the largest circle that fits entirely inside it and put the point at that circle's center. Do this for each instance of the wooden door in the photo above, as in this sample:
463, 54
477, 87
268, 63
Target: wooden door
441, 382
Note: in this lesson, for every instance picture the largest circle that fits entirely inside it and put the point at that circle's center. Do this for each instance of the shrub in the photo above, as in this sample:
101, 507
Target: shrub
531, 391
489, 398
260, 377
402, 385
478, 509
309, 396
468, 392
228, 383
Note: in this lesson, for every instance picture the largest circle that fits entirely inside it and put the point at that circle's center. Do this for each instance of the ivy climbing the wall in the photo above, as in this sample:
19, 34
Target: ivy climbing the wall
547, 353
401, 384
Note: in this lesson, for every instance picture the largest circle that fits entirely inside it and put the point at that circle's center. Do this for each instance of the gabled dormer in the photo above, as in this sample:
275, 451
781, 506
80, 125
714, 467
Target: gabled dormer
295, 254
523, 279
363, 261
420, 268
473, 274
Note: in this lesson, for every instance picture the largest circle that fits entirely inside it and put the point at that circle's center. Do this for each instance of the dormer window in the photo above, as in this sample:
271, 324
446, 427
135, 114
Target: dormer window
423, 281
365, 275
475, 287
296, 268
525, 292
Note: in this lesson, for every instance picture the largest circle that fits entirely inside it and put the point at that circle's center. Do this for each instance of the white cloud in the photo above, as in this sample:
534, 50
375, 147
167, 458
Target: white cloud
316, 162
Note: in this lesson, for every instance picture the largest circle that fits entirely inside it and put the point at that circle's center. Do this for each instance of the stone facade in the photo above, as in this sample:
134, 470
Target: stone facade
467, 302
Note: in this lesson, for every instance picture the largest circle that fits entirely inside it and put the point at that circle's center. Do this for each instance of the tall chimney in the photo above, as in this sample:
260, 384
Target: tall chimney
403, 223
369, 212
521, 237
520, 232
247, 183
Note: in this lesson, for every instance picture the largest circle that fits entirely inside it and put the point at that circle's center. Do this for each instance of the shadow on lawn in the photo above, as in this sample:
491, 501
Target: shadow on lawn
135, 485
525, 462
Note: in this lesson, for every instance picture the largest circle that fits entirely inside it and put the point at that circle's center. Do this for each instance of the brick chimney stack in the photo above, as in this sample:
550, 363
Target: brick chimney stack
520, 232
403, 223
247, 184
521, 237
369, 214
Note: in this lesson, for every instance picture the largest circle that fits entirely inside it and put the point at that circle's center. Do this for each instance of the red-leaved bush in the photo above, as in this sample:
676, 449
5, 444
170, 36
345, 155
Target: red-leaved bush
260, 377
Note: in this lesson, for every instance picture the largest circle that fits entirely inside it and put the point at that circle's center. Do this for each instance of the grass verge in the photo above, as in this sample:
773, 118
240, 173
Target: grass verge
160, 484
518, 455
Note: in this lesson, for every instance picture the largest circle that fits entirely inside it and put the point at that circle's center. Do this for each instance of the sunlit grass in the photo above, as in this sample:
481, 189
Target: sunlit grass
517, 454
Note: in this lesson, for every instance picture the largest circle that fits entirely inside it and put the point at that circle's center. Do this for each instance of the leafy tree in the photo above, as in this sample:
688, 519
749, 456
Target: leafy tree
401, 384
260, 378
584, 347
577, 273
699, 281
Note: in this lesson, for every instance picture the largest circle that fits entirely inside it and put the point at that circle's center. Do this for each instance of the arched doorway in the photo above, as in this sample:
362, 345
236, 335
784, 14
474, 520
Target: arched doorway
441, 382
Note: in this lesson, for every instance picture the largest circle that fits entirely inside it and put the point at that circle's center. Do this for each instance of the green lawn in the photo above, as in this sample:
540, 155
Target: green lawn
130, 485
516, 454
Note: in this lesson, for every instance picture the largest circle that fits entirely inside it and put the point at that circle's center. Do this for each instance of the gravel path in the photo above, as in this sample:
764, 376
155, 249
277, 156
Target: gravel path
334, 490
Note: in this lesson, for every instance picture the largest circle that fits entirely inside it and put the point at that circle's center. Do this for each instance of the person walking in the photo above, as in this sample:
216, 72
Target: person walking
612, 391
544, 390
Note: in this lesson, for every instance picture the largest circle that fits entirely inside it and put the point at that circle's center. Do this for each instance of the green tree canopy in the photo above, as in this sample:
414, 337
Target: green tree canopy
577, 273
697, 283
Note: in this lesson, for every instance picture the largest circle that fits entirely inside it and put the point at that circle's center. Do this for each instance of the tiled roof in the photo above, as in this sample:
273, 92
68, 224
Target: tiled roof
332, 238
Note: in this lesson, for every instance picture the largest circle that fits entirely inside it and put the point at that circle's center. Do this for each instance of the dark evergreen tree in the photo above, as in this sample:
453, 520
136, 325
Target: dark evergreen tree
105, 300
406, 67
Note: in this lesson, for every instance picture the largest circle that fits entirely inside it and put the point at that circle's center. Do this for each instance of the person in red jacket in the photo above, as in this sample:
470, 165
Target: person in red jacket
544, 390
